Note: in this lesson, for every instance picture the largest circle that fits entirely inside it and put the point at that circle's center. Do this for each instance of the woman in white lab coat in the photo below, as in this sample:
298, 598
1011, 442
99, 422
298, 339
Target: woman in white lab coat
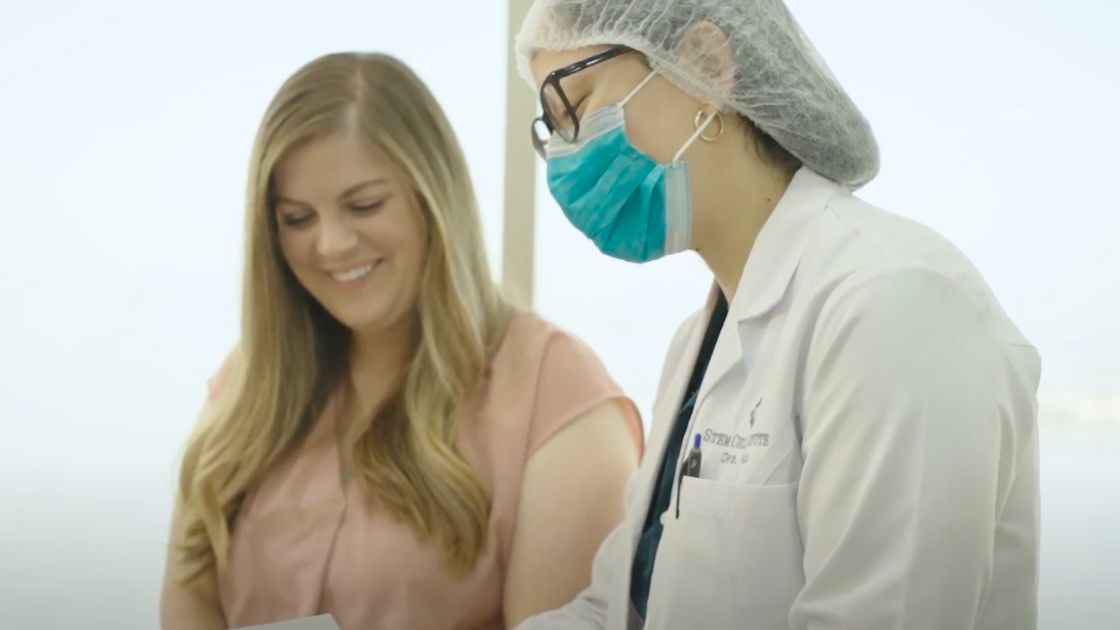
845, 435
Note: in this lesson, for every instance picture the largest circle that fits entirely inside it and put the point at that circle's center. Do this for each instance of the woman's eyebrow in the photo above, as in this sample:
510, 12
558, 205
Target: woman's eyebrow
350, 190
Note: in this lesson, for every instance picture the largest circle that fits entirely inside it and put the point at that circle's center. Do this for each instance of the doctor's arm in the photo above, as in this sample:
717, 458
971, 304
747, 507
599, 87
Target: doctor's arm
906, 454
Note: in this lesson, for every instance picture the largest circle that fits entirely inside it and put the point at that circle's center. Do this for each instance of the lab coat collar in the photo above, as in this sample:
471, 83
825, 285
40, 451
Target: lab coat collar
777, 249
768, 272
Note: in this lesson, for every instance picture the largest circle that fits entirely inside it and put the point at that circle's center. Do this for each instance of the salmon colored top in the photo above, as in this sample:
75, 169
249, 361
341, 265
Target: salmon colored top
303, 544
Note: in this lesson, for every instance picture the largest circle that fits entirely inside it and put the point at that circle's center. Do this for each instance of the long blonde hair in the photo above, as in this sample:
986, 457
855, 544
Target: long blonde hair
292, 354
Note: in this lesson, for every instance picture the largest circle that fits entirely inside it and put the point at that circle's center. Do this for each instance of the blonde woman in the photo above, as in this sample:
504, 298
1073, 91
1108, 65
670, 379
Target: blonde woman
391, 442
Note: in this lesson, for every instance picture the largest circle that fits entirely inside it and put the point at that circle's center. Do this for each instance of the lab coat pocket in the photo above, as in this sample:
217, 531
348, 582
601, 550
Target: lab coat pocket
731, 501
733, 556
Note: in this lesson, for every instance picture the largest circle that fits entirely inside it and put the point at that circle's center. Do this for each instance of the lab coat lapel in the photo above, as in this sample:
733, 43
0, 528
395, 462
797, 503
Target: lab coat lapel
664, 415
668, 405
768, 272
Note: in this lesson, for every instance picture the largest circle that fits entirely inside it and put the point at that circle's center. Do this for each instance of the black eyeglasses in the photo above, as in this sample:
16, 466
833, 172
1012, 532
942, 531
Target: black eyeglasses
557, 113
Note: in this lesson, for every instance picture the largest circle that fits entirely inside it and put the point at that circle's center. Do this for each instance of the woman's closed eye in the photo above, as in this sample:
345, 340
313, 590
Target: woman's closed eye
368, 206
296, 219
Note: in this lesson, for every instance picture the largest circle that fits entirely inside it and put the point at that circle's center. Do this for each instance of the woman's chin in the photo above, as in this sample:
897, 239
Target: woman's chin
371, 319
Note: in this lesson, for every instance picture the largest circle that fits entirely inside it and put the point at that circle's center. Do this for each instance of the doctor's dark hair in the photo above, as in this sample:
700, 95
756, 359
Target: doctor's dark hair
583, 15
769, 150
292, 355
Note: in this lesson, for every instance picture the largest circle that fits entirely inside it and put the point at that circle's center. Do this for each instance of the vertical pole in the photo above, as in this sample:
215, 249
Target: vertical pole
518, 224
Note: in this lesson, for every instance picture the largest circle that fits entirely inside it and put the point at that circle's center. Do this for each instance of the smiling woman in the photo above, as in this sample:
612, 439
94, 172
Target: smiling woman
391, 441
356, 252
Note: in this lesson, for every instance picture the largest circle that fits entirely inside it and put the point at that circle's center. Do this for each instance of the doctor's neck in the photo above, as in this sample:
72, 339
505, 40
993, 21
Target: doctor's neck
732, 201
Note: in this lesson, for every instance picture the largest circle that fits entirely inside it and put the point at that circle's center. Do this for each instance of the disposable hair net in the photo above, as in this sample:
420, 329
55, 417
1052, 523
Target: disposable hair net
779, 82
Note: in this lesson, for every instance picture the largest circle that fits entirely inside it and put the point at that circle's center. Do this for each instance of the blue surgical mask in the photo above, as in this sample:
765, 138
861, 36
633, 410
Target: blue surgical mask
630, 206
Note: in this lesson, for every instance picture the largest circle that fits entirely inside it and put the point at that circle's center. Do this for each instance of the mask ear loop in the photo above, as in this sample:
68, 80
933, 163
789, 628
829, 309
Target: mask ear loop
649, 77
696, 134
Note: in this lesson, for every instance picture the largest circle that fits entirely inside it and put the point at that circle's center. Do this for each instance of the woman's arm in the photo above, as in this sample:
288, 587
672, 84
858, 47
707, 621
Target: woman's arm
187, 608
571, 498
195, 607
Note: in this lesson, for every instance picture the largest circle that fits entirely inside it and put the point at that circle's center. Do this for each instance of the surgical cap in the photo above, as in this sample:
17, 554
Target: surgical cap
779, 82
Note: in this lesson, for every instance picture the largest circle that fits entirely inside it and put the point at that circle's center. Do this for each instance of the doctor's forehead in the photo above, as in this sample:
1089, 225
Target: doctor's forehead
543, 62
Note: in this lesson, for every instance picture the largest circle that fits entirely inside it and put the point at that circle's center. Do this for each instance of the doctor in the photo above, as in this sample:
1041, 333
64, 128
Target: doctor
845, 436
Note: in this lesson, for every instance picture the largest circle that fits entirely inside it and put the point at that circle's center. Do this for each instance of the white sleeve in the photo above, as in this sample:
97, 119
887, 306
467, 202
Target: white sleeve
908, 450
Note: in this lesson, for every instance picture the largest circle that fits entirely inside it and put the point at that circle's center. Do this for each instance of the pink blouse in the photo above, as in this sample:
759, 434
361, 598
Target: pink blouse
305, 545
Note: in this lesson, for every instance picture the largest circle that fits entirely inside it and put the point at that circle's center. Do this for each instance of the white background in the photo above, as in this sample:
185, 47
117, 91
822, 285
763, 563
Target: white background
125, 129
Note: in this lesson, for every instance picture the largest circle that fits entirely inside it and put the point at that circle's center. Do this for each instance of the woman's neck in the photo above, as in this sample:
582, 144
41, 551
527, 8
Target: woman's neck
732, 218
377, 362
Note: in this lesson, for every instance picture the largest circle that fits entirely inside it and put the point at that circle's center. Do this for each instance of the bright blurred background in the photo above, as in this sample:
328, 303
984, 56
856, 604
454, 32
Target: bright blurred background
123, 156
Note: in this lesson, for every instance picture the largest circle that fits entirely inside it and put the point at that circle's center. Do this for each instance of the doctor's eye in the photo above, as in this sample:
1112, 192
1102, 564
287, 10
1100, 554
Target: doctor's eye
577, 109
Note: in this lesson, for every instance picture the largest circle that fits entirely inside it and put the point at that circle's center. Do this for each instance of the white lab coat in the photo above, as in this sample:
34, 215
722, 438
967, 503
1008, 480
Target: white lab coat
870, 445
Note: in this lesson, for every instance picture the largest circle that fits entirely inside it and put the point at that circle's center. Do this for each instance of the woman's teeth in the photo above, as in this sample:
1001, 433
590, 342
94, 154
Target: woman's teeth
353, 274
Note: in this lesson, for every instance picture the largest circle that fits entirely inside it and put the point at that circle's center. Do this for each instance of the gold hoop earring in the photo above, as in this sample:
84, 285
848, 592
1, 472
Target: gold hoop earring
699, 120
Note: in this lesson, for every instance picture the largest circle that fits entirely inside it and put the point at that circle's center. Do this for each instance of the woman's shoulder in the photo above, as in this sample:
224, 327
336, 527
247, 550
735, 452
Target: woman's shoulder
532, 343
524, 327
550, 376
219, 381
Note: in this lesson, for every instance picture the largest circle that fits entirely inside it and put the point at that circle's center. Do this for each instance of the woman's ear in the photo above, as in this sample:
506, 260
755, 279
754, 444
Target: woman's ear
706, 47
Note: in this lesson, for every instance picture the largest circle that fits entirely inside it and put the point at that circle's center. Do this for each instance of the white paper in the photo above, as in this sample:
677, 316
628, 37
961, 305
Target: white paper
321, 622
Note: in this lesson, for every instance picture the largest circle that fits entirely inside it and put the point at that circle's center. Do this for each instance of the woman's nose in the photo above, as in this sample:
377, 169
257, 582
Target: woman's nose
336, 237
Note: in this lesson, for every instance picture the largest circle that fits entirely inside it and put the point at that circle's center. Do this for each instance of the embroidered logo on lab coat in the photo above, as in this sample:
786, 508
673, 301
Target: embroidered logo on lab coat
755, 410
736, 447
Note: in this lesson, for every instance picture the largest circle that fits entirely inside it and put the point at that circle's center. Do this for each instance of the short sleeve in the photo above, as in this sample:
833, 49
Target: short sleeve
572, 382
